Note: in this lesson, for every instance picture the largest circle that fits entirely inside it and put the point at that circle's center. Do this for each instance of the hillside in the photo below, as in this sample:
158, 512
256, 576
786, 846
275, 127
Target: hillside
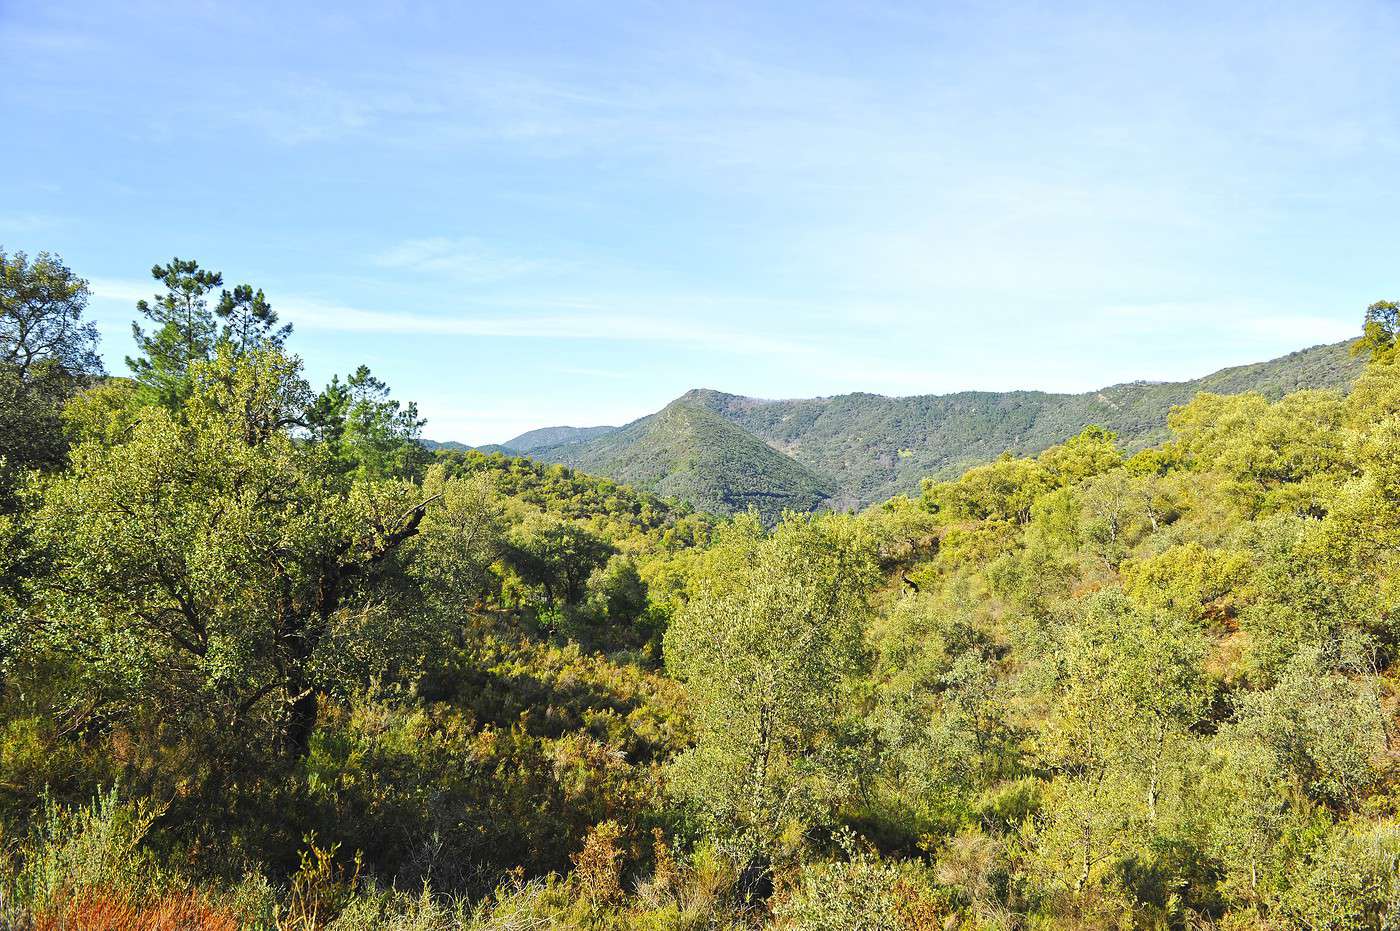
532, 440
689, 452
366, 689
867, 447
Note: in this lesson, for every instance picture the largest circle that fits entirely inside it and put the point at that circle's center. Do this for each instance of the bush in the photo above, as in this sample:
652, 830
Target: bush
95, 849
863, 893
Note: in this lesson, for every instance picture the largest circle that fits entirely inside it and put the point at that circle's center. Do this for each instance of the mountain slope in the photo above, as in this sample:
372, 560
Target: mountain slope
532, 440
872, 447
689, 452
723, 451
453, 446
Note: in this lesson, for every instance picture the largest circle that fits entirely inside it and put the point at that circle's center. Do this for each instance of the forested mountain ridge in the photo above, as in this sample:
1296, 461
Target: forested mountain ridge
863, 448
532, 440
687, 451
525, 443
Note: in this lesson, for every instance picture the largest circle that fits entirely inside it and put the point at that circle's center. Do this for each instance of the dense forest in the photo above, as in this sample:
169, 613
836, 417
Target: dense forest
268, 662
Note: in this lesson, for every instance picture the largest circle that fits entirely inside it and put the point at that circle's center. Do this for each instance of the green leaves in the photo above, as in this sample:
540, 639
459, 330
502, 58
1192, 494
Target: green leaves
183, 331
767, 650
1379, 329
205, 563
369, 434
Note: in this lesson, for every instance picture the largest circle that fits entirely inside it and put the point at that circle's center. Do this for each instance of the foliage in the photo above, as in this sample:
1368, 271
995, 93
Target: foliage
767, 652
340, 683
367, 433
47, 351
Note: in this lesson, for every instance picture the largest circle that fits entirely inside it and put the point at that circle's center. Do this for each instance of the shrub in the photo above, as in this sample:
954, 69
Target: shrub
96, 848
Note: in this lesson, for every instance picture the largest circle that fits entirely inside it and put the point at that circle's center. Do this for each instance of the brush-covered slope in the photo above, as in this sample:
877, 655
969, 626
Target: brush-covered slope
689, 452
532, 440
871, 447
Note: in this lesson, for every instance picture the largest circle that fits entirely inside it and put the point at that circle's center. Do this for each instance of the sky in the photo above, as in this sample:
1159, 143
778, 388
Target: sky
527, 214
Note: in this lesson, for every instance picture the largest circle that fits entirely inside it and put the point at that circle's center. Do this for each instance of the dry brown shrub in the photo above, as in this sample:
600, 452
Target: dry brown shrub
105, 911
598, 866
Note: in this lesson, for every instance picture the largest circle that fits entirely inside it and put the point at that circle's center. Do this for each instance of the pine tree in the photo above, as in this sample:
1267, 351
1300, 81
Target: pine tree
183, 333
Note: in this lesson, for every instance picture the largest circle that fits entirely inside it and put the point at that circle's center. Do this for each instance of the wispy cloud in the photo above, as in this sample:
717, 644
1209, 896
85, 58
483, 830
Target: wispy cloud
585, 325
25, 223
466, 259
125, 290
581, 321
1236, 318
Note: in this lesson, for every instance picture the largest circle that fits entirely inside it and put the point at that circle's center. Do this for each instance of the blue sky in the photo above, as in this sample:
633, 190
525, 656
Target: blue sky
537, 213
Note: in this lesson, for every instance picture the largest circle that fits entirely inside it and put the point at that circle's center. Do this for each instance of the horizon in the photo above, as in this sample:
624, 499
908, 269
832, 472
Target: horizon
559, 215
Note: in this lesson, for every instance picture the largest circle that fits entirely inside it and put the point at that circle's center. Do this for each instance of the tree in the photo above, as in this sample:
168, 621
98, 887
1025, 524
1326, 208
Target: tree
249, 321
41, 318
1320, 727
459, 541
616, 592
767, 651
183, 330
1281, 456
211, 569
1091, 452
1129, 688
369, 434
1003, 490
1380, 328
557, 555
46, 351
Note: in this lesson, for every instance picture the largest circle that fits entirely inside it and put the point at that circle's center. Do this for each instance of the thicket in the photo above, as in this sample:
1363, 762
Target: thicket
265, 663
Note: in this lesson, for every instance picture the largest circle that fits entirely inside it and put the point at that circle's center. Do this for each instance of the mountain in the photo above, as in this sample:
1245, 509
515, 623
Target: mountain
553, 436
526, 442
450, 445
723, 451
689, 452
454, 446
873, 446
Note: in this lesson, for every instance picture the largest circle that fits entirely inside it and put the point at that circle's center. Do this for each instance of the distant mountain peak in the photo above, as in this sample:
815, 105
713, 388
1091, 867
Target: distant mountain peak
688, 451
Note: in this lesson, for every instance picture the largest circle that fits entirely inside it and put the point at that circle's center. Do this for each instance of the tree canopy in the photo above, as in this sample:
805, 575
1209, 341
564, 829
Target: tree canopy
265, 661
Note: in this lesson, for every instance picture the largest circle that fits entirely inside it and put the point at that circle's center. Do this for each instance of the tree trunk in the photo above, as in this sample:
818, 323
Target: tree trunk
301, 722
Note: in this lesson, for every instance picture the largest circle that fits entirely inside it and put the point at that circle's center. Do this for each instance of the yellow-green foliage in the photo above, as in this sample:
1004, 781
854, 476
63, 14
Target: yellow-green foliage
334, 691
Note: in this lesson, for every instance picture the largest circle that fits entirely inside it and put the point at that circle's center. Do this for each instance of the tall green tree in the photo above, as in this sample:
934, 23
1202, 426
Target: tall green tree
249, 322
182, 333
1380, 328
767, 649
368, 432
47, 350
211, 569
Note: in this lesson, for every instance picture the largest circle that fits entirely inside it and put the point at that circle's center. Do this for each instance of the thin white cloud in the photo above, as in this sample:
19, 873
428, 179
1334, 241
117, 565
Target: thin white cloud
120, 289
1240, 318
25, 222
583, 321
464, 258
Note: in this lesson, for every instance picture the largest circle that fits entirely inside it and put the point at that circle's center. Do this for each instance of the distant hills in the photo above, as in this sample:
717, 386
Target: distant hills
553, 436
688, 451
724, 452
